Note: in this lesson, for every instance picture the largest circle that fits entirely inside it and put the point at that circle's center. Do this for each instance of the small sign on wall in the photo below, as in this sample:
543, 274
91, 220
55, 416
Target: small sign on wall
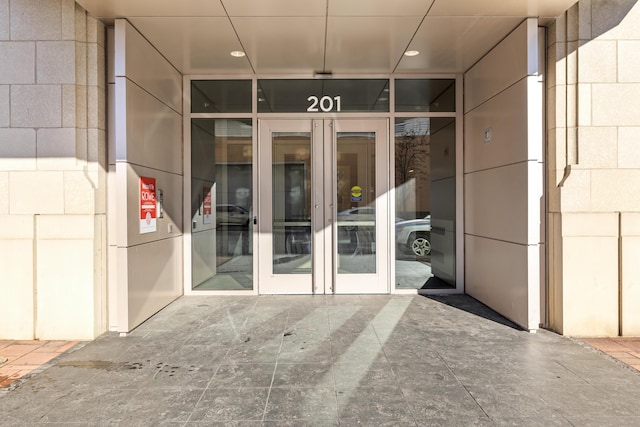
356, 193
148, 207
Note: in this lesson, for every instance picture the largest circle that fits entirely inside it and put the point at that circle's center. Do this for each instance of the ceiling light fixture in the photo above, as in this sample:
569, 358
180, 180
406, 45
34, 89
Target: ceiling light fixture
412, 53
237, 53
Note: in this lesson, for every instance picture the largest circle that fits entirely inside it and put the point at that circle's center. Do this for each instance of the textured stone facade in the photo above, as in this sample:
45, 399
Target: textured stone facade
52, 171
594, 169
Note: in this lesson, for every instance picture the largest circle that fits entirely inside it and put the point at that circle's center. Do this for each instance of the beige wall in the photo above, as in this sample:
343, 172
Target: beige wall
145, 94
503, 177
593, 169
52, 171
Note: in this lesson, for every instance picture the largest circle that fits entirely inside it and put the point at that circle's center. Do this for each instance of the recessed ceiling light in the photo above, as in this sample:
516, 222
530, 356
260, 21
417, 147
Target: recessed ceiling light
237, 53
412, 53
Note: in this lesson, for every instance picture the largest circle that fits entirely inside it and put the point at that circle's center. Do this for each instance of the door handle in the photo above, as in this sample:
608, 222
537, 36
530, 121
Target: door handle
255, 220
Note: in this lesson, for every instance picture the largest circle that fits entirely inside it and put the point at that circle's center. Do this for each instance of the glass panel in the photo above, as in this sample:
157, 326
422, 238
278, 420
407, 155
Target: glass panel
221, 204
221, 96
323, 95
291, 203
356, 197
433, 95
425, 202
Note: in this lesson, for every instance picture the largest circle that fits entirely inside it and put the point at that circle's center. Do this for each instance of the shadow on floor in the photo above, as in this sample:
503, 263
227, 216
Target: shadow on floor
473, 306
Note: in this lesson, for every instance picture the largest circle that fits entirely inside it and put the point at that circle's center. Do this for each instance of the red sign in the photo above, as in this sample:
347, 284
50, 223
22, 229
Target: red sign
206, 205
147, 205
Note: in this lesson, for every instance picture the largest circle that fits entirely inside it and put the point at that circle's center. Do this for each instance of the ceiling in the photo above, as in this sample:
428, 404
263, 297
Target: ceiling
303, 37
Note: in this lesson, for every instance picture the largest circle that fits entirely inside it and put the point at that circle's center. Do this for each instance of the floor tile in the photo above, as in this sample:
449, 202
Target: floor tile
242, 404
302, 404
323, 361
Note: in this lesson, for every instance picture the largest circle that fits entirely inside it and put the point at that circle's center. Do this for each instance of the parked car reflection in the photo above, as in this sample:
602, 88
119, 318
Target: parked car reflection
414, 236
229, 215
359, 216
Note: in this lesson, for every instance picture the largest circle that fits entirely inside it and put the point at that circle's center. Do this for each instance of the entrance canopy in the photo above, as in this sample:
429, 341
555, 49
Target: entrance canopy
324, 36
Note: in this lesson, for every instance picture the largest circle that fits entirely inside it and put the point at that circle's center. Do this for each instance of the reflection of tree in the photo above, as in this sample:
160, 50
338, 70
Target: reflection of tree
412, 164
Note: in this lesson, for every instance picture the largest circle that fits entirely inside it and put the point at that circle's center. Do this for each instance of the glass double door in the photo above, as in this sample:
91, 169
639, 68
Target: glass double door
323, 217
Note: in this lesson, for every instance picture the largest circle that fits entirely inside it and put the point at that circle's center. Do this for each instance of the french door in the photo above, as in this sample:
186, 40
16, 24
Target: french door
323, 217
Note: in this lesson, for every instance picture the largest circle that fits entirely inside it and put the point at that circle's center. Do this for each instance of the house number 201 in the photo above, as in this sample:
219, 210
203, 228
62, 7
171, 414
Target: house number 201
324, 104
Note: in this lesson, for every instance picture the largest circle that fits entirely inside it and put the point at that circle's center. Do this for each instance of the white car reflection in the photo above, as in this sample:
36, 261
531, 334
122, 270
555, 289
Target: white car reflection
232, 215
414, 235
365, 213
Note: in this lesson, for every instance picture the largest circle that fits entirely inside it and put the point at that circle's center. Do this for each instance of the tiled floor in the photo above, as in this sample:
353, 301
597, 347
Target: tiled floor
19, 358
328, 361
626, 350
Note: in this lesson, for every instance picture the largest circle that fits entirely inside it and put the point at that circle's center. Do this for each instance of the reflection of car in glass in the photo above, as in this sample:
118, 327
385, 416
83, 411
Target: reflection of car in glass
357, 214
367, 214
298, 240
415, 235
231, 215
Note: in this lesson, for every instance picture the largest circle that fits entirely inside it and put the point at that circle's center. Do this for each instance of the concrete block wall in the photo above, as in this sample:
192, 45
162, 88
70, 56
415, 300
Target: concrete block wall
594, 169
52, 171
503, 177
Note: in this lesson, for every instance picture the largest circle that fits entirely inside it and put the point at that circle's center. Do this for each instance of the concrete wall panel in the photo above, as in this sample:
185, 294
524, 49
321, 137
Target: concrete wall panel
506, 121
614, 20
590, 285
4, 193
496, 275
56, 148
56, 62
4, 106
154, 278
4, 19
36, 193
51, 170
503, 66
31, 21
36, 106
630, 315
144, 65
627, 183
589, 255
154, 132
503, 177
496, 204
16, 276
65, 269
616, 104
18, 62
17, 149
147, 137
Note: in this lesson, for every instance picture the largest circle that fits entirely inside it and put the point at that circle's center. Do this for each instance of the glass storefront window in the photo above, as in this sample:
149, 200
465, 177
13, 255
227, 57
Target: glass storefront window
221, 96
291, 175
425, 202
425, 95
222, 219
356, 218
221, 204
